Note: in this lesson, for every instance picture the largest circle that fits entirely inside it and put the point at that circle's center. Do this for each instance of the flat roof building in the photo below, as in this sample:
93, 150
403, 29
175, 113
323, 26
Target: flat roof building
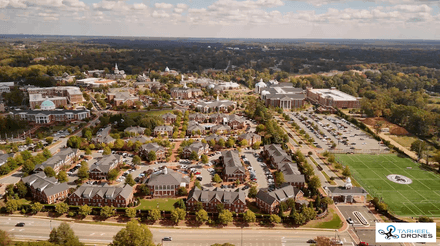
332, 98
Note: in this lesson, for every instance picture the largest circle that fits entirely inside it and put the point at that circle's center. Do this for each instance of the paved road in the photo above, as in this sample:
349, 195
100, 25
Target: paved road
39, 229
11, 179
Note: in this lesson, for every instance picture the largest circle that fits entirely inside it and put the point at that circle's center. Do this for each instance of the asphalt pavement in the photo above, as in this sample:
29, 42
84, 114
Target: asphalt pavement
261, 177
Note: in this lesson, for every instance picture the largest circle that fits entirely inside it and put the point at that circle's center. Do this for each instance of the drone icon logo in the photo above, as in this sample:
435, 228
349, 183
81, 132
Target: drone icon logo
389, 234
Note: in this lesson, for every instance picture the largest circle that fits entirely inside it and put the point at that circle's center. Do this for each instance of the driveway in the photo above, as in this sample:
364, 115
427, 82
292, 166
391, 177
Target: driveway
261, 178
12, 179
348, 212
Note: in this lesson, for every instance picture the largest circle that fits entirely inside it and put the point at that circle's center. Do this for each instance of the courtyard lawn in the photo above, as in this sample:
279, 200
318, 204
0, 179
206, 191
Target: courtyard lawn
334, 223
165, 204
421, 197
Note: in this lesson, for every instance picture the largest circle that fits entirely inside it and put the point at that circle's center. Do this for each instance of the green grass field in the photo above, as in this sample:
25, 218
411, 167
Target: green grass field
421, 197
165, 204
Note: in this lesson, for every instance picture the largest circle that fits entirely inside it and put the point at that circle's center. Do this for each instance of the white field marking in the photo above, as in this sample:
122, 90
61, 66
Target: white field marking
345, 240
12, 229
21, 230
92, 234
102, 234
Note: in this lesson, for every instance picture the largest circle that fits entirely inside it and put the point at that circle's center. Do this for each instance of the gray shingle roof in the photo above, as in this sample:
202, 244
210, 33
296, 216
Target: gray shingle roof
226, 197
170, 178
49, 186
106, 163
135, 129
104, 191
232, 162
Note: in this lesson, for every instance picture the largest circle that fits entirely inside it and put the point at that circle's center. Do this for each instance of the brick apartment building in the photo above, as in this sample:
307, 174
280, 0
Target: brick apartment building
44, 189
234, 201
102, 195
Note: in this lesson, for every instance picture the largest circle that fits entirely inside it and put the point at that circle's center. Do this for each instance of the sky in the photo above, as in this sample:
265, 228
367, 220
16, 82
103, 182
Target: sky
293, 19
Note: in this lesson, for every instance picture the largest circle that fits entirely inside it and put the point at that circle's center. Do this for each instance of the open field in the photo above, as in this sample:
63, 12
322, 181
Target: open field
421, 197
405, 141
165, 204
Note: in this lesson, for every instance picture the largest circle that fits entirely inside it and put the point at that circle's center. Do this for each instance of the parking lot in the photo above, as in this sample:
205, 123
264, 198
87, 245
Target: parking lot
258, 169
348, 212
327, 129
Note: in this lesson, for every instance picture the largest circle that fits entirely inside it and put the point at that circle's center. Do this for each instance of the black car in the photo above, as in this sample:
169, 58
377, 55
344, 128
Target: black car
311, 241
167, 239
21, 224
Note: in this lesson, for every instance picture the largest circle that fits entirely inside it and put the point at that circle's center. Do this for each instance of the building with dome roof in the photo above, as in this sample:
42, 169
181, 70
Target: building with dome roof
260, 86
50, 116
59, 95
169, 71
117, 74
47, 105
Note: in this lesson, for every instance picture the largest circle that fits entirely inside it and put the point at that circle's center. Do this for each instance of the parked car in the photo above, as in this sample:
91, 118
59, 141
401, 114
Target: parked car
167, 239
350, 221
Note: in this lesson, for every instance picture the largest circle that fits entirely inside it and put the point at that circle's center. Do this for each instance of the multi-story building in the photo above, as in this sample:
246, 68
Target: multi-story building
47, 117
102, 195
64, 157
137, 130
216, 106
117, 74
4, 158
163, 130
221, 129
103, 136
102, 167
156, 148
169, 118
95, 82
6, 86
194, 128
215, 137
332, 98
218, 118
268, 202
283, 95
198, 147
250, 137
197, 117
233, 169
234, 201
276, 155
45, 189
120, 96
185, 92
166, 183
60, 95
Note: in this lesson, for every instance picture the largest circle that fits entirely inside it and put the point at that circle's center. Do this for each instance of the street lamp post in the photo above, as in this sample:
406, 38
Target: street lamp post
51, 225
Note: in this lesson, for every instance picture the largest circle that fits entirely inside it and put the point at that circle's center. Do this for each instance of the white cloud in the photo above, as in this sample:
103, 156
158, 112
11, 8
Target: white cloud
160, 14
139, 6
163, 5
182, 6
413, 8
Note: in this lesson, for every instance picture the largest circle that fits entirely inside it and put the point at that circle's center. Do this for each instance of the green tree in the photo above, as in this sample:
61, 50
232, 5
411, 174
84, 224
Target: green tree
22, 189
5, 239
62, 177
113, 174
243, 143
202, 216
64, 235
134, 234
314, 183
230, 143
308, 213
107, 211
279, 178
225, 217
49, 140
419, 146
83, 172
194, 156
119, 144
136, 160
154, 215
49, 171
84, 210
47, 153
152, 156
28, 140
217, 178
204, 159
143, 188
221, 143
182, 191
252, 192
197, 184
177, 215
107, 151
256, 145
36, 207
12, 205
249, 216
274, 219
88, 151
130, 212
129, 180
61, 208
346, 172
